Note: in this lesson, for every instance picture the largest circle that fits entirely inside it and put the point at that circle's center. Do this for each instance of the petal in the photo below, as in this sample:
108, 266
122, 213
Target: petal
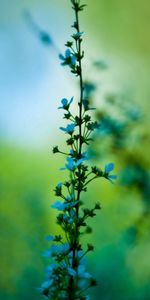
73, 60
62, 128
67, 53
109, 167
64, 102
61, 57
112, 176
49, 238
58, 205
71, 271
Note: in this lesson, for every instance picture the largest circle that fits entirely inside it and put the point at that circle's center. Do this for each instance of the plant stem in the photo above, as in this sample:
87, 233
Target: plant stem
72, 287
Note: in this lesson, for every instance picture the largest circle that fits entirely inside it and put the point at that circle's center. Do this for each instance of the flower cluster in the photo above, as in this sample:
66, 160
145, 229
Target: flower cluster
67, 278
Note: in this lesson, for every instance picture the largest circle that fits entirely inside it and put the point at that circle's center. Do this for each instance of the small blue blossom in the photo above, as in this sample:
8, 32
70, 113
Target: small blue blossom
82, 273
59, 185
57, 250
65, 218
72, 164
47, 253
67, 53
73, 60
86, 105
58, 205
108, 168
71, 204
69, 129
71, 271
70, 197
49, 238
85, 156
68, 59
71, 217
112, 177
63, 206
65, 103
47, 284
49, 269
77, 35
44, 289
71, 152
133, 114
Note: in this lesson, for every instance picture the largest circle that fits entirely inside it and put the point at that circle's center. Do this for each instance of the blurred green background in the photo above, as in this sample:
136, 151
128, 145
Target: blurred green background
32, 83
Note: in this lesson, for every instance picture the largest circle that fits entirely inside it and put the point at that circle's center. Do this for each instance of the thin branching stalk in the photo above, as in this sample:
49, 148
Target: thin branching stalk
67, 278
80, 104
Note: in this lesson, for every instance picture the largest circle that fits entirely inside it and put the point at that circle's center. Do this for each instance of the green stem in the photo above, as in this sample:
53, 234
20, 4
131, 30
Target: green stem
90, 180
72, 287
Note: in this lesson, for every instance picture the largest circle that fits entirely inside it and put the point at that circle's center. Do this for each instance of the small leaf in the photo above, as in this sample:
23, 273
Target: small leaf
97, 206
55, 149
90, 247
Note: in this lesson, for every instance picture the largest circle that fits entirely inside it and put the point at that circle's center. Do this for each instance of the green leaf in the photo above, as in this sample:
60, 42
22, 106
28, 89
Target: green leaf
55, 149
97, 206
90, 247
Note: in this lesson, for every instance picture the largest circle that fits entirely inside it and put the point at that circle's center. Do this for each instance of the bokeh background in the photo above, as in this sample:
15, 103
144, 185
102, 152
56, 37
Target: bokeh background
32, 83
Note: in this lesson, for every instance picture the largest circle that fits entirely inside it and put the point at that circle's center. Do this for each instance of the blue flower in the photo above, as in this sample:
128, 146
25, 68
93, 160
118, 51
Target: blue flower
47, 284
56, 238
69, 129
72, 215
49, 270
70, 197
59, 185
71, 271
58, 205
82, 273
112, 177
72, 152
108, 168
50, 238
47, 253
65, 103
57, 250
44, 289
77, 35
67, 54
73, 60
133, 114
63, 206
68, 59
72, 164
